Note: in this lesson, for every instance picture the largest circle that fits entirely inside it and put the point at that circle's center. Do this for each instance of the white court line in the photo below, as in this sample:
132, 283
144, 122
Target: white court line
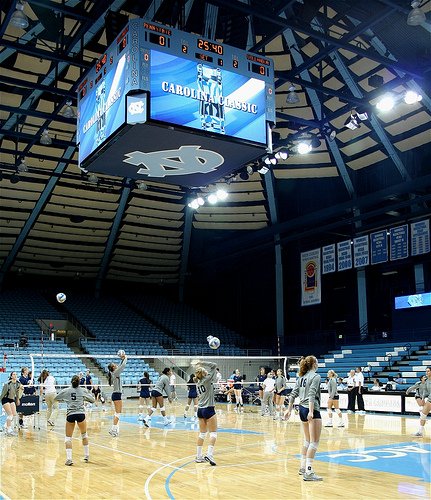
4, 496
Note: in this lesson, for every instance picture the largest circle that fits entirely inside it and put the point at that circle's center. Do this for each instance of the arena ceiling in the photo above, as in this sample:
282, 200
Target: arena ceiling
56, 222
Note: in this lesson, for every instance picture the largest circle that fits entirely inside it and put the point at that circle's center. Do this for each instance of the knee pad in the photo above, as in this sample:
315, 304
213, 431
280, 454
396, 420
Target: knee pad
10, 418
422, 415
84, 436
314, 445
306, 444
195, 407
141, 407
149, 407
202, 435
67, 439
213, 435
118, 415
162, 408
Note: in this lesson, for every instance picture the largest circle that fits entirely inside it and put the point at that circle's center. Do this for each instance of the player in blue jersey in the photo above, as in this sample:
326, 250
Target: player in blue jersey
191, 396
144, 394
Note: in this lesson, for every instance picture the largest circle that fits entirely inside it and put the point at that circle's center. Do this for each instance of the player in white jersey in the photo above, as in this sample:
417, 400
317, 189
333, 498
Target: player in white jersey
75, 396
426, 395
205, 377
114, 379
333, 399
308, 389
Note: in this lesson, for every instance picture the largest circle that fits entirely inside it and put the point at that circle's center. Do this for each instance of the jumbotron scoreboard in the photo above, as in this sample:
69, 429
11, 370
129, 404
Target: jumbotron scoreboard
171, 106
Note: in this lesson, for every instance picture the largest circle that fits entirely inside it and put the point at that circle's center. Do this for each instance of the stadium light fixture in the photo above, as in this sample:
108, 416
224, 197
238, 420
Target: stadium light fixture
386, 103
416, 16
352, 122
292, 96
45, 139
412, 97
221, 194
18, 18
282, 154
303, 148
22, 167
68, 110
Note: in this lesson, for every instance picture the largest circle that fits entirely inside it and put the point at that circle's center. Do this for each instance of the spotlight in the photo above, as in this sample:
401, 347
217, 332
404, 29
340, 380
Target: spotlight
221, 194
282, 154
22, 167
263, 170
249, 170
361, 114
352, 122
244, 176
212, 199
93, 179
142, 186
194, 204
303, 148
315, 142
292, 96
270, 160
200, 201
45, 139
18, 18
386, 103
416, 16
68, 110
412, 97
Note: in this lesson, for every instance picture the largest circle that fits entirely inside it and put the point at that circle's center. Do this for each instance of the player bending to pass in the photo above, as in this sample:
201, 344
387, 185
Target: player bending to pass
75, 396
205, 376
161, 386
426, 397
308, 389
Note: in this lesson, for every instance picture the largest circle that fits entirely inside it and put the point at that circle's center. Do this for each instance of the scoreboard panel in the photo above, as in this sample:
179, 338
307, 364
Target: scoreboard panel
185, 82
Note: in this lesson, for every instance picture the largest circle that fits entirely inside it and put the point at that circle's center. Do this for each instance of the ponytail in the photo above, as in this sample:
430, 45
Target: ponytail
110, 370
306, 364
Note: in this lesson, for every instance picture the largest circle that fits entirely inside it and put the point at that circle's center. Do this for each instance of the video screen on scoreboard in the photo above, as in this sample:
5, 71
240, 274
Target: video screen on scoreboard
414, 300
102, 111
196, 95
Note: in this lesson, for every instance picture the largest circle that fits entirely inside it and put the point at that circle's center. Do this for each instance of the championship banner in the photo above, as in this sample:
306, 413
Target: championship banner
420, 237
399, 238
361, 252
344, 250
328, 259
379, 247
310, 277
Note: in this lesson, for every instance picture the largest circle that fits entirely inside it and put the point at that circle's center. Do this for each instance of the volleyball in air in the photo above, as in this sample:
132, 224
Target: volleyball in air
61, 297
213, 342
121, 353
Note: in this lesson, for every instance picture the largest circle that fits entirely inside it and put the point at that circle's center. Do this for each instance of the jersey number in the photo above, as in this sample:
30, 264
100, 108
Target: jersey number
73, 396
303, 382
201, 389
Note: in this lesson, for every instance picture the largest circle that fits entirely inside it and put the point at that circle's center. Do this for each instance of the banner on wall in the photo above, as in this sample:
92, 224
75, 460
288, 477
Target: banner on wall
420, 237
328, 259
344, 251
361, 252
379, 247
399, 238
310, 277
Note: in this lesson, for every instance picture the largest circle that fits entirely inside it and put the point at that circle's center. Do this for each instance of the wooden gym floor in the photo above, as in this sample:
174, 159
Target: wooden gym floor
374, 456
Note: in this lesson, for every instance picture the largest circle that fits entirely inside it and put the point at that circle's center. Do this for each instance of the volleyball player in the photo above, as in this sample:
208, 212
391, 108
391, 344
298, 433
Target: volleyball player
418, 389
308, 389
114, 379
427, 403
75, 396
144, 394
280, 393
10, 395
47, 385
24, 381
260, 378
237, 390
333, 399
161, 386
205, 375
192, 396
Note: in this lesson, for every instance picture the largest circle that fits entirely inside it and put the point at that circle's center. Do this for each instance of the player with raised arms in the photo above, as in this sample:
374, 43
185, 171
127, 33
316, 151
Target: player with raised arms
75, 396
308, 389
161, 386
205, 376
114, 379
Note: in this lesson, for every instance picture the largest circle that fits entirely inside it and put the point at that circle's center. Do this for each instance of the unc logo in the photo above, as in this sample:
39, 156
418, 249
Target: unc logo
183, 161
136, 108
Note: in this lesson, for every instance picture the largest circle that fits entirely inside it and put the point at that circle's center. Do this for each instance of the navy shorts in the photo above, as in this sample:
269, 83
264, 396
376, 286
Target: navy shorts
7, 400
206, 413
284, 392
144, 394
303, 414
78, 417
116, 396
192, 395
335, 398
156, 394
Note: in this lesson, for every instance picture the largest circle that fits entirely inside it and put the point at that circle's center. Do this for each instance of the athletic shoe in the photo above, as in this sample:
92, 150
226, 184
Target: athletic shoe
185, 415
68, 462
341, 424
51, 423
209, 459
86, 459
361, 412
301, 471
328, 424
418, 434
113, 433
140, 418
200, 460
312, 476
12, 434
350, 412
146, 419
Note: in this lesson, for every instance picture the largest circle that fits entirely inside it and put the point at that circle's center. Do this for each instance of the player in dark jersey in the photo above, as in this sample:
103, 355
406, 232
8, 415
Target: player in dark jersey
237, 389
308, 389
144, 394
75, 396
191, 396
